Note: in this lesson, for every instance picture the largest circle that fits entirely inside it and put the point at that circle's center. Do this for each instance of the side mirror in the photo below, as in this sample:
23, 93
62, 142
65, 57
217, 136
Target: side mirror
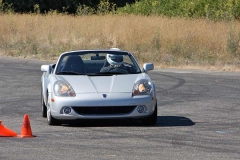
148, 66
45, 68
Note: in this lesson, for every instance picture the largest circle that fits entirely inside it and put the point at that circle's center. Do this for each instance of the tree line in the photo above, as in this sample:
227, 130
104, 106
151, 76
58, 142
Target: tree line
210, 9
67, 6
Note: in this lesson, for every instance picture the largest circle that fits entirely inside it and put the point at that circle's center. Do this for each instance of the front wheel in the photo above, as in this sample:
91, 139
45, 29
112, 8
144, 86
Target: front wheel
51, 121
151, 120
44, 109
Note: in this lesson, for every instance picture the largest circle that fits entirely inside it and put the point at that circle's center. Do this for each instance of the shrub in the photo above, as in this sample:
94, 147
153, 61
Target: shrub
211, 9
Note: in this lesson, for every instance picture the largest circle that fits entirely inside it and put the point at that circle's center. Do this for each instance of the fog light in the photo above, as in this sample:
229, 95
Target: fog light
141, 109
67, 110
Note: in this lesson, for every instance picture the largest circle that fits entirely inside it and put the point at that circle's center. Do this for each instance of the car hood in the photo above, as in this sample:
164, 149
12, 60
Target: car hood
102, 84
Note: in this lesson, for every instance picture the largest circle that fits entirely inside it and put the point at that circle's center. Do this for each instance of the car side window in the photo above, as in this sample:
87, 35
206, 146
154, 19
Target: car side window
53, 67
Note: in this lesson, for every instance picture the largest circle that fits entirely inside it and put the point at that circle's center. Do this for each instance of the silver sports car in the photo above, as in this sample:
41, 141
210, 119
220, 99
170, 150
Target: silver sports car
98, 84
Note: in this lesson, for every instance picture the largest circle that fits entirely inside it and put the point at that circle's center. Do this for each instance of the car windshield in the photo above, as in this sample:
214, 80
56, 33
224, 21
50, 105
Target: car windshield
97, 63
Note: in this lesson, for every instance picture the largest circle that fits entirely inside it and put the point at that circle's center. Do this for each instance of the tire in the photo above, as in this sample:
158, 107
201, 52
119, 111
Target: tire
151, 120
43, 106
44, 109
51, 121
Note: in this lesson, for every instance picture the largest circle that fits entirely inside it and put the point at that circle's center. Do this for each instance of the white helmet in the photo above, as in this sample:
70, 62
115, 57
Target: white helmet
115, 49
115, 59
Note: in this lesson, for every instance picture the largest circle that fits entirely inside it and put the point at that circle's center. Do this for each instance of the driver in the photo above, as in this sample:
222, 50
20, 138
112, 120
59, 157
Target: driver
115, 64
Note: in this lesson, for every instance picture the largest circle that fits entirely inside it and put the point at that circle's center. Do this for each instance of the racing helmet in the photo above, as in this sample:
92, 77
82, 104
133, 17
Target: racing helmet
115, 60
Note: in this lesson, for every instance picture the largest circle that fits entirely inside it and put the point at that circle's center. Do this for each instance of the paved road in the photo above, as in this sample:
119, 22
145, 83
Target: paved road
198, 118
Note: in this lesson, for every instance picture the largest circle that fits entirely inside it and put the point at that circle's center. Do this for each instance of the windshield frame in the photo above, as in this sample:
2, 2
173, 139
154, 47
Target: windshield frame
84, 52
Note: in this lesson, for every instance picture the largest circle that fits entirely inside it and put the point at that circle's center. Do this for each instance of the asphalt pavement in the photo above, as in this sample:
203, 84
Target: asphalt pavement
198, 118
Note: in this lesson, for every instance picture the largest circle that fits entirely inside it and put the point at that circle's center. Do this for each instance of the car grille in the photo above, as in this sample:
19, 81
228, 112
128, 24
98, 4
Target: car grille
104, 110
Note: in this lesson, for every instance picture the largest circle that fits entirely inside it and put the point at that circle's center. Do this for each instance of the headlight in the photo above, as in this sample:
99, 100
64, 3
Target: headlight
142, 87
63, 89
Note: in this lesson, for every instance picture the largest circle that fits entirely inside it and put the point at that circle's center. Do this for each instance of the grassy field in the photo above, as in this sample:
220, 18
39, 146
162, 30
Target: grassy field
167, 42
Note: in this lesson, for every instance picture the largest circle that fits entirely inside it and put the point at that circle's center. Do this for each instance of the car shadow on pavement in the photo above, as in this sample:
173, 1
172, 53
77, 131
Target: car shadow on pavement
168, 121
162, 121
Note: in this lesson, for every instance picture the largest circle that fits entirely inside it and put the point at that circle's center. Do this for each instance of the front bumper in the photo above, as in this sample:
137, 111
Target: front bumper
114, 105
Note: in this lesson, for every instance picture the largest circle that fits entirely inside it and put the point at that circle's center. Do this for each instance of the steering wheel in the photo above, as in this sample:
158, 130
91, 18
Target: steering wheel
119, 70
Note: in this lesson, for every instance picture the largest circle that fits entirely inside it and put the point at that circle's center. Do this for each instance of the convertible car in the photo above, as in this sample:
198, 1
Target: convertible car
98, 84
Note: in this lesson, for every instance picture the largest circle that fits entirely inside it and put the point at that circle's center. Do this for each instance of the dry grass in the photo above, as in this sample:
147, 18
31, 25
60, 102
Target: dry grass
164, 41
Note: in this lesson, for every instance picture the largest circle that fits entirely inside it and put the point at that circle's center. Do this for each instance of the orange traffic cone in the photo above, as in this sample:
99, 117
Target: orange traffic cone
26, 131
6, 132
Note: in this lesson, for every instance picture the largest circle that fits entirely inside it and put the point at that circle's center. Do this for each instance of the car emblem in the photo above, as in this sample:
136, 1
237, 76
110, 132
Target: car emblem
104, 95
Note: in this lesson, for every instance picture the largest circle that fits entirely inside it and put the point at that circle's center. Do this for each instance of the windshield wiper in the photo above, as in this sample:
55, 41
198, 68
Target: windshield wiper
69, 73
